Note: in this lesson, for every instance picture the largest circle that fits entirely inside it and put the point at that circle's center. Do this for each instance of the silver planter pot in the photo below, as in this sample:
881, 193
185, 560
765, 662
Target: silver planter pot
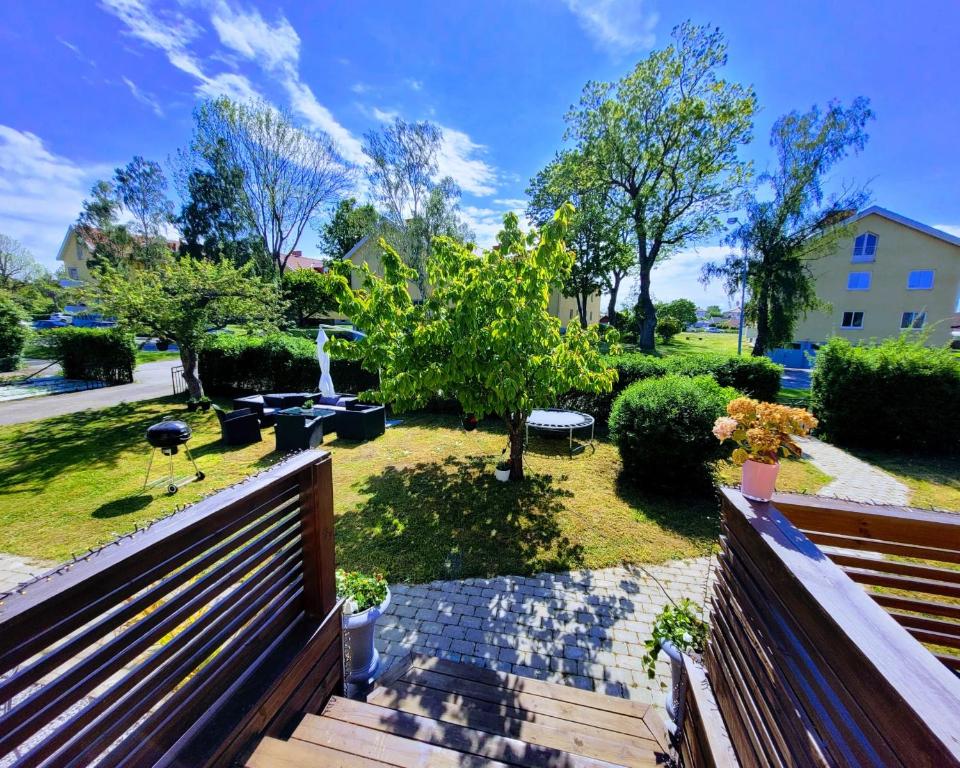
677, 693
359, 633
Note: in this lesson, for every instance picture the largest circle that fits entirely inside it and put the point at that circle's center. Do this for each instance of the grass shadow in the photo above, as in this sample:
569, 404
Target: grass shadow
124, 506
693, 511
452, 519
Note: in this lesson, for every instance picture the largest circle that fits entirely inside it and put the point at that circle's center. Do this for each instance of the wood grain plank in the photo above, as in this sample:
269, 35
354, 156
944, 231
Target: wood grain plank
274, 753
459, 737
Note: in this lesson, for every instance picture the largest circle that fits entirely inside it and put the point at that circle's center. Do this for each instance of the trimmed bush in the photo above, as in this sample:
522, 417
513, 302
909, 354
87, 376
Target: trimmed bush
94, 354
667, 328
756, 377
231, 365
630, 368
13, 335
663, 429
894, 395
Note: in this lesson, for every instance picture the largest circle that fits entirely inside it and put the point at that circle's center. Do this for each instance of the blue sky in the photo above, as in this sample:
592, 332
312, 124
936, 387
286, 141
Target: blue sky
87, 84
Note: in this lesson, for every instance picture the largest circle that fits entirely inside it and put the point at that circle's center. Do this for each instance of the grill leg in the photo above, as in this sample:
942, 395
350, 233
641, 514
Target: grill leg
149, 465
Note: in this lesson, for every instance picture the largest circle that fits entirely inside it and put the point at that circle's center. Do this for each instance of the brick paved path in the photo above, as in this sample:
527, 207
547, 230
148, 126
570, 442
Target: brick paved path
581, 628
854, 479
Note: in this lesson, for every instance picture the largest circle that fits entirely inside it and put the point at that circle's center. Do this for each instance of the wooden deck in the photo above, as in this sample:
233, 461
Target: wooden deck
431, 712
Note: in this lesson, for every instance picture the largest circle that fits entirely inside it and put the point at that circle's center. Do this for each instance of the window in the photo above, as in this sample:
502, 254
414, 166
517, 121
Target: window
913, 319
591, 315
858, 281
852, 320
920, 280
865, 247
74, 273
571, 315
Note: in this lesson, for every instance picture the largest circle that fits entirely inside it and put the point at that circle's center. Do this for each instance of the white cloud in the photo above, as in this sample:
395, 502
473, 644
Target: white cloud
40, 192
458, 158
360, 88
273, 46
486, 223
518, 203
950, 229
414, 85
678, 277
621, 25
143, 97
169, 31
385, 115
305, 103
229, 84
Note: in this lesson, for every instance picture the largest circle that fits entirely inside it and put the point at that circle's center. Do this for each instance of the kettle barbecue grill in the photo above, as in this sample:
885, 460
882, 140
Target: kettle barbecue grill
169, 437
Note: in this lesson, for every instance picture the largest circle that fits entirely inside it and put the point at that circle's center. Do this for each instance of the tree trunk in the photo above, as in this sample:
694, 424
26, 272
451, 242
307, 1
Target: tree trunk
763, 322
191, 375
645, 311
516, 428
582, 300
612, 306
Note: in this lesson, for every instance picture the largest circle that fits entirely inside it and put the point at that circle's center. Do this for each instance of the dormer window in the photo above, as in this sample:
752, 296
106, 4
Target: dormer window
865, 247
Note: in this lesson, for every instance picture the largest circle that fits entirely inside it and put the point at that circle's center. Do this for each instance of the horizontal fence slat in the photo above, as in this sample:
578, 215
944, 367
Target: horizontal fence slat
884, 547
906, 583
911, 570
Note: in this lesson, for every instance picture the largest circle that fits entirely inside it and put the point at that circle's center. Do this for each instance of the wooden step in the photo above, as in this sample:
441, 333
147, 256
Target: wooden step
458, 737
275, 753
383, 746
563, 735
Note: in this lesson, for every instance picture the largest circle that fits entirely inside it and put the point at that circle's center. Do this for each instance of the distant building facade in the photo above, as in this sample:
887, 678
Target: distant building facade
76, 252
891, 276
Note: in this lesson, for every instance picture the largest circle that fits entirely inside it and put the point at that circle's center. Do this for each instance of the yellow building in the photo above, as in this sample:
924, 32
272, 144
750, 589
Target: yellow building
75, 253
560, 306
892, 275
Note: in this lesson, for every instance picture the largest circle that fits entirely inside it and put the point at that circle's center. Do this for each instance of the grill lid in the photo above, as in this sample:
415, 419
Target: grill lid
168, 434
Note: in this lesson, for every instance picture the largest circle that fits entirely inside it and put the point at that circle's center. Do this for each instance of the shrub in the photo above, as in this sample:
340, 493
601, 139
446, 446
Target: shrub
280, 362
667, 328
756, 377
360, 590
13, 335
894, 395
663, 428
94, 354
630, 368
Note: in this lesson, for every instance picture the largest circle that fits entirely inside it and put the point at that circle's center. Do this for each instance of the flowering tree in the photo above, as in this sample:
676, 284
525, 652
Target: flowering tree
484, 336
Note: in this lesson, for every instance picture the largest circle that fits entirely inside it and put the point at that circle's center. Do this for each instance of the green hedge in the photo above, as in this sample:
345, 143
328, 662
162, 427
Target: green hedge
894, 395
232, 365
13, 334
663, 429
756, 377
94, 354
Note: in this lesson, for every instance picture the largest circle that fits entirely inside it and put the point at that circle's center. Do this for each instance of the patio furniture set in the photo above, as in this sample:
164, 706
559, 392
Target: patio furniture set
296, 427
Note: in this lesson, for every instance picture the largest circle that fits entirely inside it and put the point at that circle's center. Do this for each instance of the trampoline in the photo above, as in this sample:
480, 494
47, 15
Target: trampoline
558, 421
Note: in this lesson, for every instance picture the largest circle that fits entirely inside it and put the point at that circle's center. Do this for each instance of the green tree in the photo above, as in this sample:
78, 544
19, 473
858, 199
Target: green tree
596, 228
484, 336
215, 220
289, 175
668, 327
141, 188
714, 311
682, 310
667, 136
794, 221
17, 264
13, 335
183, 298
98, 224
308, 294
348, 225
403, 172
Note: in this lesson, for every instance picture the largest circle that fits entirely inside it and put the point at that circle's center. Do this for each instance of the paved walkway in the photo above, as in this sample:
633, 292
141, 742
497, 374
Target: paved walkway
854, 480
581, 628
15, 570
150, 380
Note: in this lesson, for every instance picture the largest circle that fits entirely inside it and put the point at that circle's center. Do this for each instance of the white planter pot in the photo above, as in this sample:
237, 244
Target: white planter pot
359, 633
503, 475
675, 696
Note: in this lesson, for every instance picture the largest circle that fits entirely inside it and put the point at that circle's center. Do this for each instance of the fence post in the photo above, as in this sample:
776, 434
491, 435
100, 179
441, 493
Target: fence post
316, 512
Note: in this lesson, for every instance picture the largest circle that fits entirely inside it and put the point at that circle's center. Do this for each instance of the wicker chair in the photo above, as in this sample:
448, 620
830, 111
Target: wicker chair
240, 427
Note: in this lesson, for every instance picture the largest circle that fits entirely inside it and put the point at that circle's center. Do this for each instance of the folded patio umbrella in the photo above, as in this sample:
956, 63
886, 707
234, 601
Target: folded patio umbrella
326, 382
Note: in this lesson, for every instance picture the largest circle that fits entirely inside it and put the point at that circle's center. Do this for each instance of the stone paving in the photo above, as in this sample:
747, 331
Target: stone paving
15, 569
854, 480
582, 628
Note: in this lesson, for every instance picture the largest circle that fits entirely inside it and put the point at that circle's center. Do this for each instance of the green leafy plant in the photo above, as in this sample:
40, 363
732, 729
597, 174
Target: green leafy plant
308, 404
94, 354
668, 327
13, 335
679, 623
361, 591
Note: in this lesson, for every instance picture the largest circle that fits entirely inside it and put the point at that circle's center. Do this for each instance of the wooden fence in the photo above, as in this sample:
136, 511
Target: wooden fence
183, 643
806, 668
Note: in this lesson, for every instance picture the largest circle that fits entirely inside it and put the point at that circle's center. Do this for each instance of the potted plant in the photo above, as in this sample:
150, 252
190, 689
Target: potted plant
199, 404
763, 432
677, 629
365, 599
307, 405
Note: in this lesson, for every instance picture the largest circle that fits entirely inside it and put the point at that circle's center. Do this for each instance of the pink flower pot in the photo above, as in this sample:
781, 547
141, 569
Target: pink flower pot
759, 480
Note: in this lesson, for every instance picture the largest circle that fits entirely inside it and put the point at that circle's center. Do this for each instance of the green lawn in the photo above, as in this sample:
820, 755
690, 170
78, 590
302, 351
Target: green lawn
419, 503
152, 357
934, 481
693, 343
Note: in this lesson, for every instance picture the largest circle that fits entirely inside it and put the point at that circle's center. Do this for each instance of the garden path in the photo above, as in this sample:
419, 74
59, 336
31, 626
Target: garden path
582, 628
15, 569
854, 479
